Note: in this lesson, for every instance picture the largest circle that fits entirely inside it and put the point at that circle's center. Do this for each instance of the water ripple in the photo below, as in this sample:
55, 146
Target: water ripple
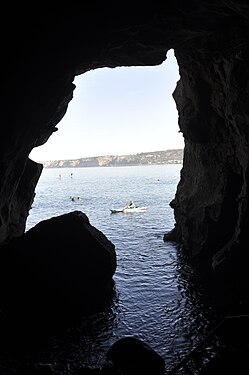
154, 297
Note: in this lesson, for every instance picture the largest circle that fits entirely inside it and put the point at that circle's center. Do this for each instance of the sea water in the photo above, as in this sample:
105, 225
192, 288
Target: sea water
155, 300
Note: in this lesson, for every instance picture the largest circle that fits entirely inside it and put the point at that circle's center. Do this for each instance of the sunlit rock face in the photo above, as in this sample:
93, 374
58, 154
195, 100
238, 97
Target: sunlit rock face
46, 49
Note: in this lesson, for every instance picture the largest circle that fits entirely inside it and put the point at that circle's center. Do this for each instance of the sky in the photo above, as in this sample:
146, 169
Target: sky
118, 111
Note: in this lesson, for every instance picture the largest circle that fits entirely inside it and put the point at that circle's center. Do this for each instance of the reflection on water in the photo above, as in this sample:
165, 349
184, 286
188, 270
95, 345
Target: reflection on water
83, 343
171, 320
156, 297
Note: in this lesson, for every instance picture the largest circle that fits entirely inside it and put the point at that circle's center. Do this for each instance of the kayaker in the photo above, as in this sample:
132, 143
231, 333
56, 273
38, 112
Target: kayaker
130, 205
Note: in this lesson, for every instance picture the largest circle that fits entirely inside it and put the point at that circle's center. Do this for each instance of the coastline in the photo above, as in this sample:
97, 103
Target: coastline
174, 156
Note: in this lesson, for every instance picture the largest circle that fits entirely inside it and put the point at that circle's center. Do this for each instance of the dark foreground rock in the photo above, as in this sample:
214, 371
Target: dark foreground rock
59, 269
127, 356
132, 356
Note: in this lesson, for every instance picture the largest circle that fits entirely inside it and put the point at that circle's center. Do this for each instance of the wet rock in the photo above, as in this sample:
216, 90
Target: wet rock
130, 356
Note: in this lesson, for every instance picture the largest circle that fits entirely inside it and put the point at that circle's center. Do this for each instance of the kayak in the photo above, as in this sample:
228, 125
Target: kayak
127, 210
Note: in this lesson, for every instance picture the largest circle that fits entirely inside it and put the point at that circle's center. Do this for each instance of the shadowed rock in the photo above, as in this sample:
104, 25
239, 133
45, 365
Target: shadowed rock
58, 269
130, 355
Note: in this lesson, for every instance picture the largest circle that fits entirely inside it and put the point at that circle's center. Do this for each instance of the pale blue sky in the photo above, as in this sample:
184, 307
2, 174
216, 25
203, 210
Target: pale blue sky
125, 110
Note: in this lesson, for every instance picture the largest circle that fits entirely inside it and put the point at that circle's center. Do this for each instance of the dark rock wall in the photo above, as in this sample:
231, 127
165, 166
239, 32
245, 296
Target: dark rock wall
23, 198
211, 202
43, 50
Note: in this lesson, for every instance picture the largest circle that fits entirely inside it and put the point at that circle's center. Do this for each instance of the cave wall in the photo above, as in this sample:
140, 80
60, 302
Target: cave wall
212, 99
44, 49
211, 203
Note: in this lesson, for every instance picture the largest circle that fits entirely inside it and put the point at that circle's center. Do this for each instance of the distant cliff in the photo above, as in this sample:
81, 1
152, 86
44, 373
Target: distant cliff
143, 158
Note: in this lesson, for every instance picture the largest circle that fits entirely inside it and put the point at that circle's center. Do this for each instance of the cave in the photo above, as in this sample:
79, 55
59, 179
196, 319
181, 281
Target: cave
43, 49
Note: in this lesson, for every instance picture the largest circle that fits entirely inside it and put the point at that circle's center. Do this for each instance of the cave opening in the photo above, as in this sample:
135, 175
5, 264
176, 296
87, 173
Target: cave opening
156, 295
148, 285
119, 117
211, 203
118, 111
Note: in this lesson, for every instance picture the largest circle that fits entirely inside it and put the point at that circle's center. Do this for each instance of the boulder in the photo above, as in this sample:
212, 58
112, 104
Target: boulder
132, 356
60, 268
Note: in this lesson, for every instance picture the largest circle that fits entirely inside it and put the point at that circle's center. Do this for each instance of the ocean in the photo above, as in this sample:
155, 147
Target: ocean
155, 297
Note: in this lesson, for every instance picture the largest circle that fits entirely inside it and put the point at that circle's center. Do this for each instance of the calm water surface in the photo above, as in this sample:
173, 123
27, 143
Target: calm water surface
154, 299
